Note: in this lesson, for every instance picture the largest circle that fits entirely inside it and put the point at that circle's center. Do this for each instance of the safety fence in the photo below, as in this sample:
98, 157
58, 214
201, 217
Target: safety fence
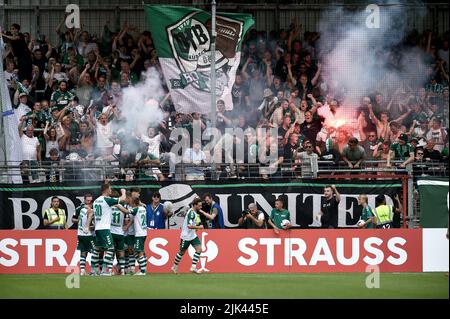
98, 170
37, 174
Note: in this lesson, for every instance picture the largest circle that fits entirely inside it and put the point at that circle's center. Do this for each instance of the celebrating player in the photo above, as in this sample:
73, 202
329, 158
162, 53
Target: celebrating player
85, 237
130, 258
189, 237
140, 228
117, 232
103, 213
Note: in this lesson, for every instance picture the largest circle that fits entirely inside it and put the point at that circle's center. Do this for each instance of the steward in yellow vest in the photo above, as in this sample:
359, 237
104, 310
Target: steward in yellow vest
384, 214
54, 217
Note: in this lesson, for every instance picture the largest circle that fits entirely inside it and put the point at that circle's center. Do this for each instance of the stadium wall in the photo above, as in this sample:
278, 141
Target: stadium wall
247, 251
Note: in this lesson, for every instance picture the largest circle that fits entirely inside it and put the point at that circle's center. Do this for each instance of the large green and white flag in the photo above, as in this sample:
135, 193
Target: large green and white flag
182, 37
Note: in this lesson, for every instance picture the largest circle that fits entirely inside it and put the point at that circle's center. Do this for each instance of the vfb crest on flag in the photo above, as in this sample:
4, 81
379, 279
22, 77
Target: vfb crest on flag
191, 46
184, 49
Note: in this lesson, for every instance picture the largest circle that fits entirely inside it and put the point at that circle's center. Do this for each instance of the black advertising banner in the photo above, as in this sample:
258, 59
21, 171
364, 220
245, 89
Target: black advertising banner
22, 205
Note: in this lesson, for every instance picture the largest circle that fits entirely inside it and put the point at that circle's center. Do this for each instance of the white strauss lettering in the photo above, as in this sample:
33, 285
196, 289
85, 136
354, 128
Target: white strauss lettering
296, 248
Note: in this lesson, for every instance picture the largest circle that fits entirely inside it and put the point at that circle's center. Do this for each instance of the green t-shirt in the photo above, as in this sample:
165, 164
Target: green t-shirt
402, 152
78, 58
39, 118
61, 99
277, 216
366, 214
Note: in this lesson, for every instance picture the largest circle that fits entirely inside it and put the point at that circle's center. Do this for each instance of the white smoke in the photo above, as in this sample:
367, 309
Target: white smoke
140, 104
356, 58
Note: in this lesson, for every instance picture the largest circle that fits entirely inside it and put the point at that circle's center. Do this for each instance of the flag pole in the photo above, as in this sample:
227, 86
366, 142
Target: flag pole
213, 63
213, 75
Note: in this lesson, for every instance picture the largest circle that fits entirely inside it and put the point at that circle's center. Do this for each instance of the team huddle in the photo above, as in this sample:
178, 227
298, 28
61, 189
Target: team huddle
115, 225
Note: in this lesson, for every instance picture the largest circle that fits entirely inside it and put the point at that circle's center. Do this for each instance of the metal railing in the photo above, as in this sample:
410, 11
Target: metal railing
84, 171
95, 171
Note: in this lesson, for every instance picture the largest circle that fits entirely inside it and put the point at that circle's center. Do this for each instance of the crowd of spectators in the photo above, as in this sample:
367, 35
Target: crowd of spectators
66, 98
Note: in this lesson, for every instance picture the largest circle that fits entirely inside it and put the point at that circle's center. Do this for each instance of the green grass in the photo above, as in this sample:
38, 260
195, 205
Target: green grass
335, 285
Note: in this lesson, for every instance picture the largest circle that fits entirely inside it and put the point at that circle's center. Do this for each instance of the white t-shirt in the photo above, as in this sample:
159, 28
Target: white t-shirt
83, 51
21, 110
49, 145
60, 76
29, 148
104, 133
261, 216
438, 136
8, 77
192, 156
419, 132
153, 144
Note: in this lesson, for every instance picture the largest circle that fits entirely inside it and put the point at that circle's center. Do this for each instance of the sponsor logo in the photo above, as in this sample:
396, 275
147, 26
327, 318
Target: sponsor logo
210, 251
240, 251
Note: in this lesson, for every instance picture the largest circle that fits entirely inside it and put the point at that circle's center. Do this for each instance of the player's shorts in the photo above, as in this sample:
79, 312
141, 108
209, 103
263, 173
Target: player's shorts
119, 242
104, 239
85, 244
139, 242
184, 244
129, 241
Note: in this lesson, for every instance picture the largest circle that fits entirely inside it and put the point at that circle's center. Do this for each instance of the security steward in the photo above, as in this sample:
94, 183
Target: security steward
54, 217
384, 214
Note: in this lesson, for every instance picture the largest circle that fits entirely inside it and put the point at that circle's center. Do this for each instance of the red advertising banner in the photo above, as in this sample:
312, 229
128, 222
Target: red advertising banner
232, 251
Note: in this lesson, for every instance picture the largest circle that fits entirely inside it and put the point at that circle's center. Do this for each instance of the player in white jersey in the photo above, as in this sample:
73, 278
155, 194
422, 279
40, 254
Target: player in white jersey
117, 233
189, 236
130, 258
85, 242
103, 214
139, 212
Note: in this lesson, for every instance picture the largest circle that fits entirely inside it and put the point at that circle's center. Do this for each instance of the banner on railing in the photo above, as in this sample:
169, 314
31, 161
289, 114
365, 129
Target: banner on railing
242, 251
434, 202
22, 205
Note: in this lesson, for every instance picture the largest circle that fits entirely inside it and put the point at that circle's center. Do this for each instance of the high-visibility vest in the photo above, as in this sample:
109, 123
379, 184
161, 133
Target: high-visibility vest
52, 214
384, 214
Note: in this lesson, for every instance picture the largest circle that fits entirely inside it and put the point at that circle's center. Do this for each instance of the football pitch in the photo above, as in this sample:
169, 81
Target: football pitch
228, 286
